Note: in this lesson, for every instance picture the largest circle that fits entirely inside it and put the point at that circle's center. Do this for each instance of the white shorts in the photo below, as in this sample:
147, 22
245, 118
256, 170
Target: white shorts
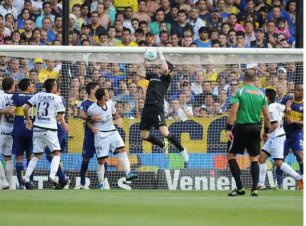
107, 141
275, 147
6, 143
43, 138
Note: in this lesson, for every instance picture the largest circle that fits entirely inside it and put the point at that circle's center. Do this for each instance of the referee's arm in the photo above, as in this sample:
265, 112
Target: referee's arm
231, 120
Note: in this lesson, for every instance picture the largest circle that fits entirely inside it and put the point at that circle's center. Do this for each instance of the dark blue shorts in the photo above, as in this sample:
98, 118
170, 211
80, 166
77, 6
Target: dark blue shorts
88, 147
22, 145
294, 142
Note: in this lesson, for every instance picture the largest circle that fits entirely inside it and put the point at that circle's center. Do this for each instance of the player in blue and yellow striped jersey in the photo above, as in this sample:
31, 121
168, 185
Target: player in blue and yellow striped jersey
88, 143
22, 137
293, 125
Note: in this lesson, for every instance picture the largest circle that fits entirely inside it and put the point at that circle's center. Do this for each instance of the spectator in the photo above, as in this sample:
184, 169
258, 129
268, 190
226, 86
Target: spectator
232, 39
7, 7
222, 40
195, 21
203, 11
85, 13
165, 6
47, 73
128, 15
10, 22
221, 80
225, 27
142, 14
214, 20
250, 9
260, 41
111, 35
292, 74
120, 5
174, 39
150, 39
230, 8
223, 101
103, 18
76, 11
45, 14
126, 39
221, 7
217, 109
135, 24
14, 70
155, 25
56, 8
270, 34
95, 27
281, 28
163, 38
196, 86
173, 18
282, 76
232, 20
179, 26
204, 40
249, 33
124, 95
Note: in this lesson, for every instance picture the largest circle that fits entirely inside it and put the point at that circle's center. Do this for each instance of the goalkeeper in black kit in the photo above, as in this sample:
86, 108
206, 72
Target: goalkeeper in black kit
153, 111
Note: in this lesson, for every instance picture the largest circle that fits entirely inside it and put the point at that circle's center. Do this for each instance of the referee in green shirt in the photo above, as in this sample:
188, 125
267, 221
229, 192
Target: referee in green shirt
247, 104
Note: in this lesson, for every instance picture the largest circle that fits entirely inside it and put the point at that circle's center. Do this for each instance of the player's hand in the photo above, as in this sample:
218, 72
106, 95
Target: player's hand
288, 120
94, 130
29, 124
119, 122
288, 105
230, 135
96, 118
265, 137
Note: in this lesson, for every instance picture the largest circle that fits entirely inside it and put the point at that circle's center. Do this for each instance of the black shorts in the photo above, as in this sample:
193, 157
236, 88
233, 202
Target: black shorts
152, 116
246, 137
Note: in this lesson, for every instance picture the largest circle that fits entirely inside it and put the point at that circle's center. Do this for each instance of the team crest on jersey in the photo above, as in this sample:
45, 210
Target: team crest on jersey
301, 108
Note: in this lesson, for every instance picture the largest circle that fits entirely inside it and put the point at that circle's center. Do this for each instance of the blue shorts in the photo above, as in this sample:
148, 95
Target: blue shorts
294, 142
88, 147
22, 145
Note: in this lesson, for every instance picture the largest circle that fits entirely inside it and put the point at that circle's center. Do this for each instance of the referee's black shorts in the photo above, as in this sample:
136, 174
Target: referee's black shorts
246, 137
152, 115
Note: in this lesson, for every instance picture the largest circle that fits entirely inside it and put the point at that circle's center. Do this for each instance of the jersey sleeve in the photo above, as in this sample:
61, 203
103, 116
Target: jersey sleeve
32, 101
13, 102
89, 112
60, 105
235, 97
2, 104
113, 107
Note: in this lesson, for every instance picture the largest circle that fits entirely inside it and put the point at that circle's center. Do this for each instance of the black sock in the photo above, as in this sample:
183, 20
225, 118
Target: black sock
175, 142
255, 174
155, 141
235, 170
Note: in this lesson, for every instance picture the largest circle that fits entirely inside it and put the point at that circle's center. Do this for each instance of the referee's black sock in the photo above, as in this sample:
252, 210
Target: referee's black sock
235, 170
155, 141
255, 174
175, 142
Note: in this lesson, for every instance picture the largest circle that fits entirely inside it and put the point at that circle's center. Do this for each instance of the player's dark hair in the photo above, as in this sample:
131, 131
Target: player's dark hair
24, 84
49, 84
100, 93
90, 86
271, 95
7, 83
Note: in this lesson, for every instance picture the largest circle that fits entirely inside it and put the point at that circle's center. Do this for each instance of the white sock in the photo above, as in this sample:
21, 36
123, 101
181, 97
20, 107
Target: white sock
30, 168
9, 171
2, 174
100, 173
262, 173
185, 155
124, 160
54, 165
287, 169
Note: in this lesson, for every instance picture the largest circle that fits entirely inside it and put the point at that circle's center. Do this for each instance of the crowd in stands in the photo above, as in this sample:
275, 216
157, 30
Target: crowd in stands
196, 90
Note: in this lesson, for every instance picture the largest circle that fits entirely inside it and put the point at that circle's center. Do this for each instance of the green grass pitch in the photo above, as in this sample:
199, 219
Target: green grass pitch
149, 208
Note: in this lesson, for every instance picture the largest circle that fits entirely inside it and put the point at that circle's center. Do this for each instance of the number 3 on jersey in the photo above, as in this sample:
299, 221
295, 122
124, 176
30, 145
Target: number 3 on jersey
43, 109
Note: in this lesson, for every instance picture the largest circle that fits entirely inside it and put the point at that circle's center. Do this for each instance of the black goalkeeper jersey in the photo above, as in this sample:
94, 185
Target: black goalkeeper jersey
157, 89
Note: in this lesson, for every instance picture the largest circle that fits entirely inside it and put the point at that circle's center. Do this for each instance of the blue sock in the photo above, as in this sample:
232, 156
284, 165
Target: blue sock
19, 170
279, 177
83, 171
32, 175
60, 172
301, 164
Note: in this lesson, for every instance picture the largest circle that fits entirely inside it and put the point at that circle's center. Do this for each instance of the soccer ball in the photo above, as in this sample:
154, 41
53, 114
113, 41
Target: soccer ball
150, 54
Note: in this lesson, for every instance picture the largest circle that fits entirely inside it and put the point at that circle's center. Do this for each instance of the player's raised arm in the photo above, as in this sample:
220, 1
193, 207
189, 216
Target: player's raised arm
61, 119
165, 68
118, 120
141, 71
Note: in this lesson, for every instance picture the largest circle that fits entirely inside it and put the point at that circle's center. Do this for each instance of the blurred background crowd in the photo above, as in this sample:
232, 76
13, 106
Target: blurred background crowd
196, 90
